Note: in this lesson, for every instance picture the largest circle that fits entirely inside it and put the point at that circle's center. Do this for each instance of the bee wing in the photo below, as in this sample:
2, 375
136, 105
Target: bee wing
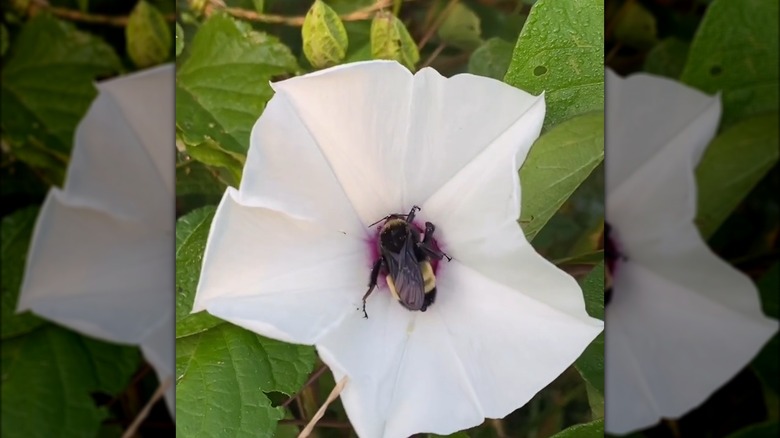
404, 268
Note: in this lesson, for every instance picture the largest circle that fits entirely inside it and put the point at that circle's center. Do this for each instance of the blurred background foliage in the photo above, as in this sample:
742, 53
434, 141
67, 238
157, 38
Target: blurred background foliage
56, 382
228, 50
731, 47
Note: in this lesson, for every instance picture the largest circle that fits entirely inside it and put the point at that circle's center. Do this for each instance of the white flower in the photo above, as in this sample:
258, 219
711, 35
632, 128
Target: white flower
681, 322
289, 254
101, 260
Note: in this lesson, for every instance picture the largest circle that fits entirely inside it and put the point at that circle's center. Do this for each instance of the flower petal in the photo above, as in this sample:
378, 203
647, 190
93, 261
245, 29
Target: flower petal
476, 217
282, 277
122, 158
455, 121
286, 171
159, 350
358, 116
481, 350
421, 130
109, 284
147, 100
485, 193
503, 254
685, 259
653, 150
648, 114
675, 335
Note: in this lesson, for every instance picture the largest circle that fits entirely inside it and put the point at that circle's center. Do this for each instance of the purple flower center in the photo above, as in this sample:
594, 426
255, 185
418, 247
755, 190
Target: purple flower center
612, 256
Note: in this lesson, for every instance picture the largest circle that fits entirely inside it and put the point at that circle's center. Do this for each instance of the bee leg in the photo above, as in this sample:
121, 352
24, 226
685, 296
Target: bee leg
410, 216
426, 246
371, 284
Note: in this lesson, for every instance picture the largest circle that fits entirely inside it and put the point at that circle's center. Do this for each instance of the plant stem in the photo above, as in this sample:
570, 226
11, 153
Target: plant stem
438, 22
365, 13
313, 378
322, 423
433, 56
86, 17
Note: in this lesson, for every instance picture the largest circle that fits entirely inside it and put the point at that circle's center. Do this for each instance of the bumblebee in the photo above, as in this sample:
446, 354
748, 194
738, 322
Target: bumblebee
405, 257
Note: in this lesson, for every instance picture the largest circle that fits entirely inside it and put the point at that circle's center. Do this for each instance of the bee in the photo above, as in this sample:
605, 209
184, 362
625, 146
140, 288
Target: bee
406, 259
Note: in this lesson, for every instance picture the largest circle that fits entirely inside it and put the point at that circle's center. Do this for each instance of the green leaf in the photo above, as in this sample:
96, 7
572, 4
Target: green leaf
595, 400
589, 258
593, 290
636, 26
359, 35
667, 58
594, 429
195, 178
461, 28
222, 375
325, 39
223, 86
763, 430
209, 153
391, 40
48, 163
4, 37
148, 36
179, 39
732, 165
113, 364
590, 364
491, 59
48, 376
192, 231
560, 52
768, 286
17, 230
766, 363
48, 84
557, 164
735, 51
259, 5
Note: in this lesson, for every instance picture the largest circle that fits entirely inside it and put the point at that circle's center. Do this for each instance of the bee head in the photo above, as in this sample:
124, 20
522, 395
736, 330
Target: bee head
394, 234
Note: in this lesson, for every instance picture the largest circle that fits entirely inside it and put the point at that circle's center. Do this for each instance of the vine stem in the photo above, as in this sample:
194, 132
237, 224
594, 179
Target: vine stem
323, 423
131, 431
365, 13
313, 378
437, 22
433, 55
321, 411
85, 17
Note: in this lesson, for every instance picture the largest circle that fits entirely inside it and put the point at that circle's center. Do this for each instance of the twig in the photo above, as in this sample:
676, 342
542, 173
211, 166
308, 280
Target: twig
433, 56
614, 51
85, 17
498, 426
321, 411
365, 13
438, 22
130, 432
323, 423
137, 378
313, 378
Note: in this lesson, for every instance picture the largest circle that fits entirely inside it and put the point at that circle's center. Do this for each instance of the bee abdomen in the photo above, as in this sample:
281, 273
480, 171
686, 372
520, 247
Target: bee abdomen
429, 279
